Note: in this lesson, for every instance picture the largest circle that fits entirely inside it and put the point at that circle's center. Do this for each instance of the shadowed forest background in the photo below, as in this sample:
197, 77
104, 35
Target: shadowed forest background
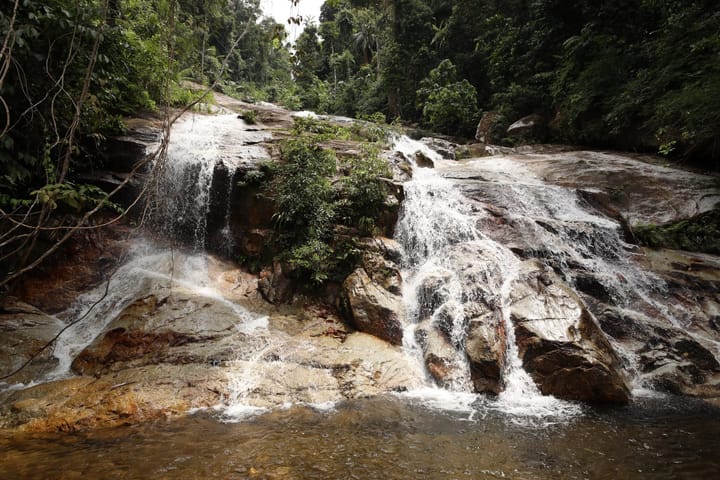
641, 75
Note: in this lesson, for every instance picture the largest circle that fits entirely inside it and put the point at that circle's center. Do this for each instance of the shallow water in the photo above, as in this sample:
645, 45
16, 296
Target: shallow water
389, 438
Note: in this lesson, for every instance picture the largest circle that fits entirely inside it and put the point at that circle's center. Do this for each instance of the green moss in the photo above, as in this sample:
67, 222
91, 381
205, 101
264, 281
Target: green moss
697, 234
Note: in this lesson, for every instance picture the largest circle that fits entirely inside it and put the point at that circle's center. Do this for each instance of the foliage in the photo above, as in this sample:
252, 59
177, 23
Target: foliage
315, 193
639, 74
448, 105
698, 234
303, 191
363, 192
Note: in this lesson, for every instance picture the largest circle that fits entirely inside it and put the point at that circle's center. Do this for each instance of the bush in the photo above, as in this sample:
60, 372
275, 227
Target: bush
448, 105
311, 203
303, 192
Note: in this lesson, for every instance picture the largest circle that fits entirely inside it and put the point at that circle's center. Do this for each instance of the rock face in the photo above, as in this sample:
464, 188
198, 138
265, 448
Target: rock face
486, 126
576, 213
444, 148
544, 250
24, 331
485, 346
560, 343
532, 128
373, 309
177, 349
370, 296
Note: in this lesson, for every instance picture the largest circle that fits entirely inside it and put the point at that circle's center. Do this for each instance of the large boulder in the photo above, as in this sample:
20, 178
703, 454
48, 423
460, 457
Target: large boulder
275, 285
559, 341
444, 148
371, 308
485, 348
380, 260
485, 132
531, 128
442, 360
25, 331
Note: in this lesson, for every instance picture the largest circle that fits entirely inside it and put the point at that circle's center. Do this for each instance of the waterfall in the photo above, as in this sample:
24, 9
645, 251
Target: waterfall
571, 238
199, 145
438, 231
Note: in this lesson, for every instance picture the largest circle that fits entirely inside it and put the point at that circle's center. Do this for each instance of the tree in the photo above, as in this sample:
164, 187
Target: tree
448, 105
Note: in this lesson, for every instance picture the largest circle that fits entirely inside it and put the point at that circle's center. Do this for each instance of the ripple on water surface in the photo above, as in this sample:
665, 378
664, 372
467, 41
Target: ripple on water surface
387, 437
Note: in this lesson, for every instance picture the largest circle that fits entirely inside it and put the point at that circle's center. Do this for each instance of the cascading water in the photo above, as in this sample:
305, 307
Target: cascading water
182, 203
199, 146
575, 241
437, 229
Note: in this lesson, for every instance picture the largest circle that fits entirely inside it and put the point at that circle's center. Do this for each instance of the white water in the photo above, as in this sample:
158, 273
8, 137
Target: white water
149, 270
199, 145
437, 229
184, 180
568, 235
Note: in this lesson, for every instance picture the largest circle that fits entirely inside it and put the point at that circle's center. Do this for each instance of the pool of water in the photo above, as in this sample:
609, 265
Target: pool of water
387, 438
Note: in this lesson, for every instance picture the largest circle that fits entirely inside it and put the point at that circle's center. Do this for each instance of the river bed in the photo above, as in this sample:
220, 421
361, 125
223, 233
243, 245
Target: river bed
390, 438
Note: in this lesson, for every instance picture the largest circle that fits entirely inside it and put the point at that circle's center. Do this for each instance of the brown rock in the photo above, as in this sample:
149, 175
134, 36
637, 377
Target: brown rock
24, 331
485, 348
442, 360
274, 285
371, 308
560, 343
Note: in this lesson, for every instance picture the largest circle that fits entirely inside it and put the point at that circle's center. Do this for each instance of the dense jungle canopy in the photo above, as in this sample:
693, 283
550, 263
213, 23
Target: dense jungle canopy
629, 74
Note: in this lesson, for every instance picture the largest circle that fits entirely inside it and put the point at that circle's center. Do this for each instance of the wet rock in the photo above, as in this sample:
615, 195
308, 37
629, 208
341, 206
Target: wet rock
473, 150
122, 153
423, 161
679, 364
442, 147
122, 398
400, 165
371, 308
56, 285
357, 374
560, 343
274, 285
442, 360
622, 324
431, 294
24, 331
485, 348
177, 329
380, 260
531, 128
591, 285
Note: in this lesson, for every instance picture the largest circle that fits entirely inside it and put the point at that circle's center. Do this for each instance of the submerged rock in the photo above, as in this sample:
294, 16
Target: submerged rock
560, 343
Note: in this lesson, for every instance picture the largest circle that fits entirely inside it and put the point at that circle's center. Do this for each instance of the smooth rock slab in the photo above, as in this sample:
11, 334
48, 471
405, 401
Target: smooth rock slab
24, 331
560, 343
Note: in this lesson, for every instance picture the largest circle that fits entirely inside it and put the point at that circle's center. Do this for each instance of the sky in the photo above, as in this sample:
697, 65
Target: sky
281, 10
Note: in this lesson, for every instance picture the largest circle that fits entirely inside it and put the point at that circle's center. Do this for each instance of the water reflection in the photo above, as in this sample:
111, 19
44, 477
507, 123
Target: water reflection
389, 438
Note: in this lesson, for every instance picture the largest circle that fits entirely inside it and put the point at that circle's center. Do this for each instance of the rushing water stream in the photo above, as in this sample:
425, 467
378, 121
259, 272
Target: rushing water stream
435, 220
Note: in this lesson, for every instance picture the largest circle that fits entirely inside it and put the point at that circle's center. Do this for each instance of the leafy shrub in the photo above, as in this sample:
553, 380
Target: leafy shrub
303, 192
448, 105
311, 203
